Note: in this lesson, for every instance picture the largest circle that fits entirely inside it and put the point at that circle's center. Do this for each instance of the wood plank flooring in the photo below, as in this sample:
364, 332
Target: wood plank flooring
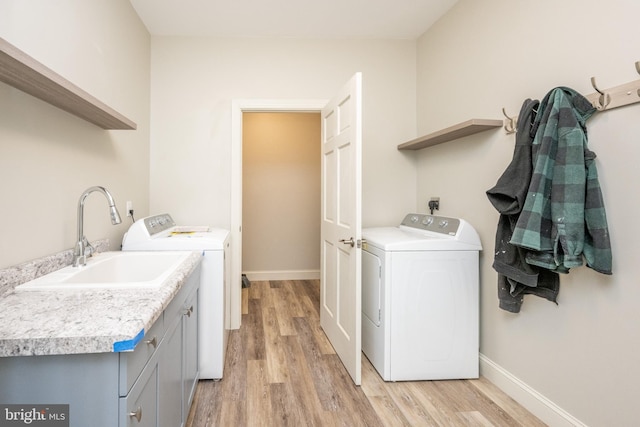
282, 371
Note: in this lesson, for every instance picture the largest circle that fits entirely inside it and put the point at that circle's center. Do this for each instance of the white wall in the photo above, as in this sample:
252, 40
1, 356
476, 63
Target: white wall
582, 354
49, 157
194, 81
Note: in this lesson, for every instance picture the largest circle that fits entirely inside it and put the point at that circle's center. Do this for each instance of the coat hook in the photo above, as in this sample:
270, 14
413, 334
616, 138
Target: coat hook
604, 99
510, 123
638, 70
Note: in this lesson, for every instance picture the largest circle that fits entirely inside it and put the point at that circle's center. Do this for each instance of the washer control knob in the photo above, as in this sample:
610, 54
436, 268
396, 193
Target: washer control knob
427, 221
443, 223
414, 219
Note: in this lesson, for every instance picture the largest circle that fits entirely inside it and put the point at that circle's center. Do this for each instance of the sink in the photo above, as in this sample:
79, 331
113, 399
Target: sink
113, 270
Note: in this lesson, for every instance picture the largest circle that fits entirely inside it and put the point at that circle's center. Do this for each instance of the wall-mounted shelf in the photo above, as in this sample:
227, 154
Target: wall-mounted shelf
460, 130
28, 75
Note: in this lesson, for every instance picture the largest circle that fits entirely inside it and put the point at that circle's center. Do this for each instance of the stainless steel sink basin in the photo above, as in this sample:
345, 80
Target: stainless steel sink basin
113, 270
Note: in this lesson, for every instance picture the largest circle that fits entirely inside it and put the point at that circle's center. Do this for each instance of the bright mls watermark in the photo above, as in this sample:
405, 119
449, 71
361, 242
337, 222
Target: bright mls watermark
34, 415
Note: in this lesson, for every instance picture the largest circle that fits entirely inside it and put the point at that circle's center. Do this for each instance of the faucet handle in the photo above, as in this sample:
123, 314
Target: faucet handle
89, 250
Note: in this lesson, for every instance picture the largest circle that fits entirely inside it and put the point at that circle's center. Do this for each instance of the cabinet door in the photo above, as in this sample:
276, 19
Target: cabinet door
190, 355
170, 392
140, 407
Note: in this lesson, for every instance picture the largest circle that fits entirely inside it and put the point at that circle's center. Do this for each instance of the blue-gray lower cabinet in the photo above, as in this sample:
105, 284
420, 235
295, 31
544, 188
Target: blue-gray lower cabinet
151, 386
190, 351
178, 364
140, 407
170, 391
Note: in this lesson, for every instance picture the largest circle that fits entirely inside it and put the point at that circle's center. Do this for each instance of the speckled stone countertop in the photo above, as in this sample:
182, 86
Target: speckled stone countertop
83, 321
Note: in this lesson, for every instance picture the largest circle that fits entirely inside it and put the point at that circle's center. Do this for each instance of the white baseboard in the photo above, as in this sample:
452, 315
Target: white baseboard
283, 275
534, 402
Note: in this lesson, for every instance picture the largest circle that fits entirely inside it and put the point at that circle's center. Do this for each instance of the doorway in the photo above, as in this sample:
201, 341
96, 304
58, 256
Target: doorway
238, 108
281, 195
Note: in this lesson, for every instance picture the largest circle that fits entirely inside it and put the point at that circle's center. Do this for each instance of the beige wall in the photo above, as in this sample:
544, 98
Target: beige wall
582, 354
49, 157
281, 195
195, 80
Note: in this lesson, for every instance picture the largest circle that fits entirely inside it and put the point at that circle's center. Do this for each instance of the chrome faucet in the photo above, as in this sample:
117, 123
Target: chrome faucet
79, 256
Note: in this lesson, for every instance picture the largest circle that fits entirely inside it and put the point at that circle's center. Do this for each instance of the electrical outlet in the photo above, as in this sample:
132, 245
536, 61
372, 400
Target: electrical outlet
129, 207
434, 204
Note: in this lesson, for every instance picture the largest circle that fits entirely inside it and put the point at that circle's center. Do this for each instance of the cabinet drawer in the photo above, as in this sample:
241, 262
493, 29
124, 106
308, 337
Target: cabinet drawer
140, 408
132, 362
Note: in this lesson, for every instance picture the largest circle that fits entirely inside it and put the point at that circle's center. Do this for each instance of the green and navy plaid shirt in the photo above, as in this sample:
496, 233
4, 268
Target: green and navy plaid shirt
563, 218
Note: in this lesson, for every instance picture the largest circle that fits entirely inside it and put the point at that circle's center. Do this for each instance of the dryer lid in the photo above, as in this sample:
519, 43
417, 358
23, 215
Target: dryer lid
159, 232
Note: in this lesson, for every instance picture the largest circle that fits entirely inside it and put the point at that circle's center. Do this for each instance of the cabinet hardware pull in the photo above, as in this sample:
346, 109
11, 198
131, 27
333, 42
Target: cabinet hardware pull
153, 341
137, 414
188, 311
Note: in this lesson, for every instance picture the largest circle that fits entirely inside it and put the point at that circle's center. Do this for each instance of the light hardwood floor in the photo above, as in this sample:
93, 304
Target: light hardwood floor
281, 371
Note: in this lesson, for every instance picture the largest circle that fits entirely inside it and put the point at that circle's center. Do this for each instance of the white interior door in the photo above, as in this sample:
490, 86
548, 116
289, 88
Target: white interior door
341, 228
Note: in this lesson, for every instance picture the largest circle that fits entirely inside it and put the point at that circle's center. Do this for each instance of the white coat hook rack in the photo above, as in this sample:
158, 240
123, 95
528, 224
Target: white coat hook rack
618, 96
601, 99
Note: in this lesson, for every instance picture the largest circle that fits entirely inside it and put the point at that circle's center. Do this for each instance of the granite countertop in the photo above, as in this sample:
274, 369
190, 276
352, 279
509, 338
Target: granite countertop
34, 323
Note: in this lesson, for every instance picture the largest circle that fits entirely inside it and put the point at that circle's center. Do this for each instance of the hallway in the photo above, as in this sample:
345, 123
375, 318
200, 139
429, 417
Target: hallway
282, 371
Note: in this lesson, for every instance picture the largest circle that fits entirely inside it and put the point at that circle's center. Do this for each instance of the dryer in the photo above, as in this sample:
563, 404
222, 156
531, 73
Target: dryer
160, 233
420, 299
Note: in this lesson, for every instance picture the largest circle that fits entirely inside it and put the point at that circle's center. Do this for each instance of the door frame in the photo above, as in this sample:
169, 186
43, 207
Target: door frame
238, 107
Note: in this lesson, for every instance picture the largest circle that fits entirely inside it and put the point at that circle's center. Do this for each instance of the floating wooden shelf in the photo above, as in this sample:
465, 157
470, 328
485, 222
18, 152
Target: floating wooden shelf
28, 75
460, 130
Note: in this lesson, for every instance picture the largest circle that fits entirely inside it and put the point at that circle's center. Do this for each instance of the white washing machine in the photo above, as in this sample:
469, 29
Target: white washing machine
420, 299
160, 233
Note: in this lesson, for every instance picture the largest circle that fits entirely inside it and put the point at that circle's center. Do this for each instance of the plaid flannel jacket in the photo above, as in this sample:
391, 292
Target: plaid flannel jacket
563, 218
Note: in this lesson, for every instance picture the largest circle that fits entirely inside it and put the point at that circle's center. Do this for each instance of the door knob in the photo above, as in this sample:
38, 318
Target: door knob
350, 242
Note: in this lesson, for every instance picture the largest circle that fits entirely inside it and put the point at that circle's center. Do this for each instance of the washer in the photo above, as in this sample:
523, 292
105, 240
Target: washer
160, 233
420, 299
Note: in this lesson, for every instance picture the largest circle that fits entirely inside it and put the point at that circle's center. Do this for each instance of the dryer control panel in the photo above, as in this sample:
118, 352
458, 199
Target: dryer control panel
432, 223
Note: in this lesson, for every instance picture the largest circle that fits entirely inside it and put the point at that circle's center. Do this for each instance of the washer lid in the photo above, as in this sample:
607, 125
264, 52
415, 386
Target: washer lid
408, 238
